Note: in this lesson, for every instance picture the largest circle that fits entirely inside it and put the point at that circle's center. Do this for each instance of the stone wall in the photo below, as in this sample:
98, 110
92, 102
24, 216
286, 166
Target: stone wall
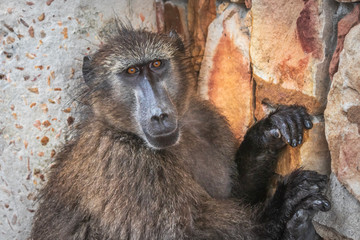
250, 56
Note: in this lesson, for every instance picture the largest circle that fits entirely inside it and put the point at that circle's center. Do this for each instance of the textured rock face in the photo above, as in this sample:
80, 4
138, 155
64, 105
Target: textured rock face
343, 220
42, 47
347, 1
342, 115
200, 14
225, 76
344, 27
289, 51
175, 19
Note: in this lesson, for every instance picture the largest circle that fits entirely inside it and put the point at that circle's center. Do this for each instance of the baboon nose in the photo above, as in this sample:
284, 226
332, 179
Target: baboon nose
162, 123
159, 118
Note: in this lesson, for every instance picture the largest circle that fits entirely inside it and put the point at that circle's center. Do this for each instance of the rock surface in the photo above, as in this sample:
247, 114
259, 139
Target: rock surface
175, 19
347, 1
42, 47
289, 52
342, 115
200, 14
344, 26
225, 76
343, 219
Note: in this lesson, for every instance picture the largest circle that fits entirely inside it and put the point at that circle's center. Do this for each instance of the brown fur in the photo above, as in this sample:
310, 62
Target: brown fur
121, 186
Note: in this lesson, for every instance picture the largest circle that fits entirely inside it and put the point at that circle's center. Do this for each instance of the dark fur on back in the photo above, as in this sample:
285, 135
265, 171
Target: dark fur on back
108, 183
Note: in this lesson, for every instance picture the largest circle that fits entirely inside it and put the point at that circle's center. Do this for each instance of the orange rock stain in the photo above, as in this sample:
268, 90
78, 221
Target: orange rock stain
290, 73
230, 87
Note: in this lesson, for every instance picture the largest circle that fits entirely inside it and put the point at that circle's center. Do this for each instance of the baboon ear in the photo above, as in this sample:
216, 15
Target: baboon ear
86, 69
179, 43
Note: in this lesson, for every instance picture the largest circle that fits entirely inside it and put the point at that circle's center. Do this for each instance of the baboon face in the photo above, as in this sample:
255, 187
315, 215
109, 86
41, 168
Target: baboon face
139, 85
155, 112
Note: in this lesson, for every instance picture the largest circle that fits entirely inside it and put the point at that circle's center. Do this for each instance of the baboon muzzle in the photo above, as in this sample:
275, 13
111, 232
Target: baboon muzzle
157, 114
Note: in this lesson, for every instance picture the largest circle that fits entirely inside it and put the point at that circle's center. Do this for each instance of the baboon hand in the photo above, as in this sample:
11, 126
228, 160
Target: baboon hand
288, 123
303, 190
296, 200
303, 198
300, 226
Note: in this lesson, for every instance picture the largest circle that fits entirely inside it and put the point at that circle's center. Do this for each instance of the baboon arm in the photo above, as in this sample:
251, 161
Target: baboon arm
256, 164
257, 155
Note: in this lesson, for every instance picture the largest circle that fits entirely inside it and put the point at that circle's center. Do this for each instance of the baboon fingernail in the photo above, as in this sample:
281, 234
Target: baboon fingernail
327, 205
294, 143
308, 124
277, 133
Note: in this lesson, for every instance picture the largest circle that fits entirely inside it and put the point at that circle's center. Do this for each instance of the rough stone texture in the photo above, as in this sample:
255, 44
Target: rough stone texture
328, 233
175, 18
41, 51
343, 220
344, 27
225, 76
347, 1
343, 113
248, 3
200, 14
289, 51
221, 7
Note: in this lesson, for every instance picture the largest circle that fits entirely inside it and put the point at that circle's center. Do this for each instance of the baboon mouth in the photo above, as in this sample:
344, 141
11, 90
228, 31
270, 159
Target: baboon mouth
164, 140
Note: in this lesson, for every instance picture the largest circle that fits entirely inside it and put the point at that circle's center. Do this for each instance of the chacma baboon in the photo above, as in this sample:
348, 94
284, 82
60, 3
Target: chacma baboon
154, 161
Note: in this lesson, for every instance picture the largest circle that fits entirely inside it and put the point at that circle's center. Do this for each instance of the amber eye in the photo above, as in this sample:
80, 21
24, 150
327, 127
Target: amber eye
156, 63
131, 70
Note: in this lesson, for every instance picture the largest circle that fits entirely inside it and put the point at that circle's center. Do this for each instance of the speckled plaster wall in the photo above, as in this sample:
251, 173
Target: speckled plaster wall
42, 44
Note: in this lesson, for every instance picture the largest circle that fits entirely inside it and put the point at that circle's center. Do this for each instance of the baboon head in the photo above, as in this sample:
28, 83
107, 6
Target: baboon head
141, 82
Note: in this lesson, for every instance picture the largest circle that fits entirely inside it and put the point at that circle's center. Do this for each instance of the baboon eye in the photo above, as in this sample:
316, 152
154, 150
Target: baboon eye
131, 70
156, 63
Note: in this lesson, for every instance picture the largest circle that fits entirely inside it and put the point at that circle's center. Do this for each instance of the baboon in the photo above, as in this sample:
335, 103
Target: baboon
155, 161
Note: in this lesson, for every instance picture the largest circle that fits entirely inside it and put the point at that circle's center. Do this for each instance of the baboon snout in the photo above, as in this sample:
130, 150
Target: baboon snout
162, 123
161, 128
157, 114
